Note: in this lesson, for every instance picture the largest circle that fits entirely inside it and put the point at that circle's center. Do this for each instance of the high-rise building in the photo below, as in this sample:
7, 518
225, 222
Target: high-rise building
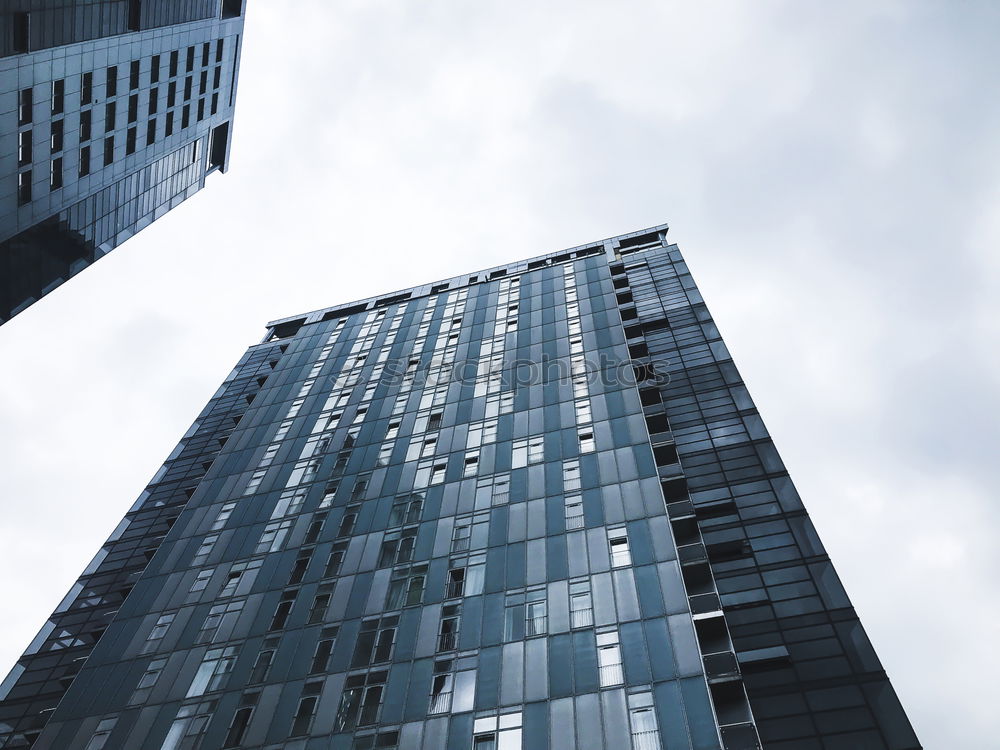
112, 112
530, 508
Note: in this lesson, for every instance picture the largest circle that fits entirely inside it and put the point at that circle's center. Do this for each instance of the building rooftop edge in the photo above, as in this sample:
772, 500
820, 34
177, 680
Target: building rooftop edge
422, 290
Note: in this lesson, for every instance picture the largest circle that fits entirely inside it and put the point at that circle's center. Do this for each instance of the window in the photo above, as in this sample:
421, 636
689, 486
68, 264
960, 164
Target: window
283, 609
349, 520
213, 671
300, 567
317, 612
466, 576
481, 433
220, 621
609, 659
206, 49
642, 721
571, 475
574, 512
109, 117
470, 532
306, 711
289, 504
497, 733
85, 125
397, 547
380, 741
471, 465
525, 614
101, 734
201, 579
224, 513
148, 679
190, 59
582, 409
219, 45
111, 81
25, 105
240, 578
361, 700
154, 69
375, 641
241, 720
273, 537
86, 89
188, 88
618, 542
173, 63
442, 685
133, 75
151, 131
21, 26
335, 560
581, 607
185, 116
201, 110
109, 150
321, 657
406, 510
188, 729
24, 149
202, 82
313, 532
171, 94
201, 554
262, 666
158, 631
448, 630
58, 96
422, 448
360, 487
406, 587
587, 442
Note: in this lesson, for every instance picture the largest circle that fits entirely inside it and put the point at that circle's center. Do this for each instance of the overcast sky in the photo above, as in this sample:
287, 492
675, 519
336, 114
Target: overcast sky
831, 174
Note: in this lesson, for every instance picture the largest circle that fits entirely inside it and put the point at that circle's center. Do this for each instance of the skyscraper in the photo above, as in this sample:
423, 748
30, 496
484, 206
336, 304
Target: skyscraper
112, 112
533, 507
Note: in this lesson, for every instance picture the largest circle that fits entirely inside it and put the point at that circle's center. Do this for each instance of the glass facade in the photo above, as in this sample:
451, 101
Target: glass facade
529, 508
115, 112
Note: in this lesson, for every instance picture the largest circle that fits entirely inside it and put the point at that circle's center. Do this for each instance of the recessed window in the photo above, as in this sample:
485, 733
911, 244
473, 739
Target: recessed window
86, 89
587, 444
133, 77
168, 126
154, 95
618, 544
154, 69
58, 96
56, 174
151, 131
84, 161
111, 81
25, 104
133, 108
609, 659
190, 59
173, 63
130, 141
109, 150
24, 149
642, 721
24, 187
85, 125
22, 31
109, 117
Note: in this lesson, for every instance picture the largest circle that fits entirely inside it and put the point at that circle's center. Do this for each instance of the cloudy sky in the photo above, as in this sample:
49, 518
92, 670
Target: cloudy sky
831, 174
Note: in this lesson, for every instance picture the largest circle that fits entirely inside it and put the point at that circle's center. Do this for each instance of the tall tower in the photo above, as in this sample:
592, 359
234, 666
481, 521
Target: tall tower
112, 112
530, 508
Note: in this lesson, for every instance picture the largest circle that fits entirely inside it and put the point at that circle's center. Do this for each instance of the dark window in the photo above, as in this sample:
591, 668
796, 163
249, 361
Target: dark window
86, 89
109, 150
335, 560
85, 161
134, 14
264, 660
130, 141
111, 81
154, 100
206, 50
24, 106
172, 94
133, 108
349, 520
190, 59
56, 139
185, 116
306, 710
217, 77
168, 128
24, 150
283, 610
154, 69
22, 25
375, 641
317, 611
215, 103
361, 700
173, 63
238, 727
202, 82
188, 82
85, 125
133, 75
218, 50
23, 187
312, 534
321, 657
58, 96
448, 632
232, 8
201, 110
151, 131
109, 117
55, 174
